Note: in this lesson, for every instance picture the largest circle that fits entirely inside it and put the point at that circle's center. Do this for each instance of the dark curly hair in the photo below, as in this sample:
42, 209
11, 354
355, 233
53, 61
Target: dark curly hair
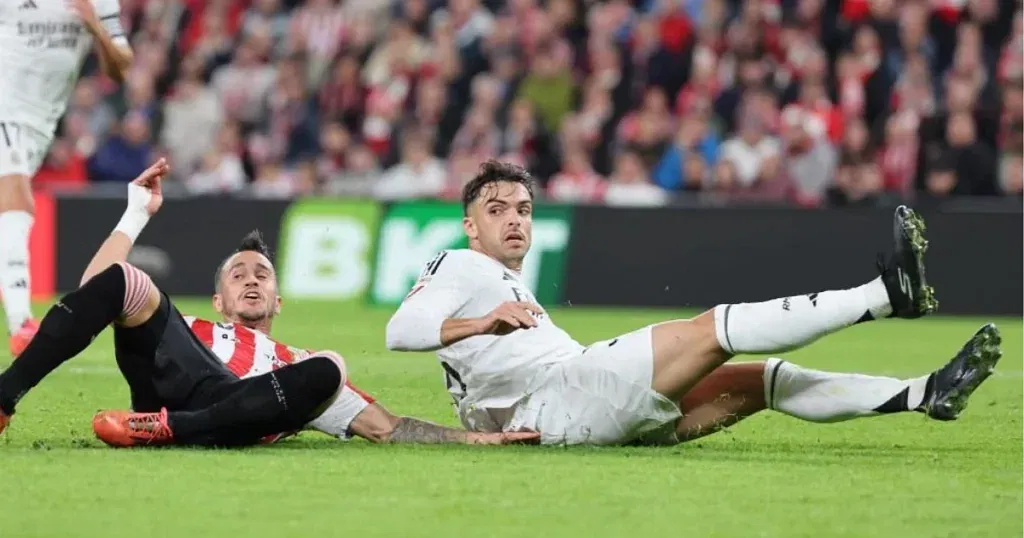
252, 242
494, 171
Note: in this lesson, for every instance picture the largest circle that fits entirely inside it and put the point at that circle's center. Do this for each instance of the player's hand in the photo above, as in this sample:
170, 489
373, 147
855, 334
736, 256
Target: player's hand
510, 317
149, 181
503, 438
85, 12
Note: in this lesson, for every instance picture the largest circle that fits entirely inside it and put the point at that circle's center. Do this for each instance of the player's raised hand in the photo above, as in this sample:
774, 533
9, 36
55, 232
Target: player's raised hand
503, 438
509, 317
149, 185
86, 12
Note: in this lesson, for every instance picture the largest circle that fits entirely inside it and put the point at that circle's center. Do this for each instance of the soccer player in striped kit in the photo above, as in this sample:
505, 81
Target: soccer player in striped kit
182, 390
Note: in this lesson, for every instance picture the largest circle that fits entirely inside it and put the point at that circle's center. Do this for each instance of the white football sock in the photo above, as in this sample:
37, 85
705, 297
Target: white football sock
783, 324
14, 275
819, 396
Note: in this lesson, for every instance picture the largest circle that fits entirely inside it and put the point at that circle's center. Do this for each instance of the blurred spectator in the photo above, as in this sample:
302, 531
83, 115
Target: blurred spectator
630, 186
63, 169
358, 177
577, 181
858, 184
809, 161
267, 16
694, 138
193, 116
1011, 174
243, 85
418, 175
99, 116
748, 151
973, 161
123, 155
527, 138
343, 96
220, 170
549, 88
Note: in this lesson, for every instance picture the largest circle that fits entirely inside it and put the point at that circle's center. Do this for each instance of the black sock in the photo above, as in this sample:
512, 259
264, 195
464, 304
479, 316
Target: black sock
280, 401
67, 329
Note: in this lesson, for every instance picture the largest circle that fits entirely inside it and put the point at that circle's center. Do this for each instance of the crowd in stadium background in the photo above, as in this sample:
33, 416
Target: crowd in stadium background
809, 102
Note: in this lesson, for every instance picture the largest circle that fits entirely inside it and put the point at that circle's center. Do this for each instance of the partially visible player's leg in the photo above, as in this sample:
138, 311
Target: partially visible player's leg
238, 413
687, 350
119, 293
21, 152
738, 390
16, 218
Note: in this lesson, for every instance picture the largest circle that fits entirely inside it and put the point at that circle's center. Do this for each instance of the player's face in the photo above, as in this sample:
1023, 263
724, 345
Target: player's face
248, 289
500, 222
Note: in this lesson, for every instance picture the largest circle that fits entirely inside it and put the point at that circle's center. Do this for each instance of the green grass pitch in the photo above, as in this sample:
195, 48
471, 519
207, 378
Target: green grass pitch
768, 476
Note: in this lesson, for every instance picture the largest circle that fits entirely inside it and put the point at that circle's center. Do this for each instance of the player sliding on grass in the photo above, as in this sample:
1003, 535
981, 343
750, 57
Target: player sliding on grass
184, 372
510, 368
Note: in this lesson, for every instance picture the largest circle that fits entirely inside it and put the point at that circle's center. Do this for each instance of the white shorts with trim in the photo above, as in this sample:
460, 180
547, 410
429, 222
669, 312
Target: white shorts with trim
602, 397
335, 421
22, 149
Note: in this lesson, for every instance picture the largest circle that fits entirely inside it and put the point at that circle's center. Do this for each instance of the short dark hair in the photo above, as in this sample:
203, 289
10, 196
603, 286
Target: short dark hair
493, 171
252, 242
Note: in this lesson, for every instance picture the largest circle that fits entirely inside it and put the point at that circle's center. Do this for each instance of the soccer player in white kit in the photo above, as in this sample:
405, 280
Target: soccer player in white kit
43, 44
510, 368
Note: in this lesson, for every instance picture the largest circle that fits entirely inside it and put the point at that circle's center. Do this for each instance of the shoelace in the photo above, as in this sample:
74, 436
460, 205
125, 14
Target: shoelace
149, 427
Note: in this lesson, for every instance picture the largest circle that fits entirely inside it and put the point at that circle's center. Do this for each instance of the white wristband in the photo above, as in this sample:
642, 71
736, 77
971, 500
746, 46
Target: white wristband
132, 223
135, 216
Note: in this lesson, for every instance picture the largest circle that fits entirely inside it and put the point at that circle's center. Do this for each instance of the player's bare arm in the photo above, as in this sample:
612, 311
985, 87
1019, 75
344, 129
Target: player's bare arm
144, 200
111, 46
378, 425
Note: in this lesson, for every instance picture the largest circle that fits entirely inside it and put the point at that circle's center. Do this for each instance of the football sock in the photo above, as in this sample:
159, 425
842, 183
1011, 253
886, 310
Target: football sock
819, 396
15, 227
67, 329
276, 402
783, 324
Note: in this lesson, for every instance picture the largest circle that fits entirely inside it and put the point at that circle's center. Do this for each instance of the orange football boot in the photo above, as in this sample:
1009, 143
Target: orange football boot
126, 429
4, 421
20, 339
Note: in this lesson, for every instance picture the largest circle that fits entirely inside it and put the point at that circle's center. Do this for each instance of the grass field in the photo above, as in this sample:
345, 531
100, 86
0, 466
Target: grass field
768, 476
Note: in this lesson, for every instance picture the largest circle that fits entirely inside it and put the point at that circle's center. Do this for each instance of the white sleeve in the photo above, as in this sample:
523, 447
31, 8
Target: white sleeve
109, 14
437, 296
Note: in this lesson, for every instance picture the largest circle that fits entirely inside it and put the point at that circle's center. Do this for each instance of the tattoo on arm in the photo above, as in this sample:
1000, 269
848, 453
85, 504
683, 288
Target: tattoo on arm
411, 430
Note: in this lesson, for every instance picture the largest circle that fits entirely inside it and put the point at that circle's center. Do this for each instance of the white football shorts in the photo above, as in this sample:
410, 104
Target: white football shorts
602, 397
22, 149
336, 420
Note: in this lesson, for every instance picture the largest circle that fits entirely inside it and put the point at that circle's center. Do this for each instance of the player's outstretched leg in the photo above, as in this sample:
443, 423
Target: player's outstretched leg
686, 351
241, 414
736, 391
791, 322
16, 218
69, 327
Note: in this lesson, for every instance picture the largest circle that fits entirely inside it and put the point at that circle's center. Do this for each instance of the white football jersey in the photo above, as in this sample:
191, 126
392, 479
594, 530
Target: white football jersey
486, 375
42, 47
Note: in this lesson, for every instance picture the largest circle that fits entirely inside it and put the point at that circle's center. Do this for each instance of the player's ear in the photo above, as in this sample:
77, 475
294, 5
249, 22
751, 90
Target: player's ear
277, 305
469, 227
218, 303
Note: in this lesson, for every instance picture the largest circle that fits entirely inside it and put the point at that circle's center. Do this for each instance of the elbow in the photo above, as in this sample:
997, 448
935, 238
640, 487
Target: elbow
393, 336
408, 331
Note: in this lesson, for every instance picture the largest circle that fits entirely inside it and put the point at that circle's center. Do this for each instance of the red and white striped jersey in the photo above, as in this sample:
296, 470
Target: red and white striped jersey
248, 352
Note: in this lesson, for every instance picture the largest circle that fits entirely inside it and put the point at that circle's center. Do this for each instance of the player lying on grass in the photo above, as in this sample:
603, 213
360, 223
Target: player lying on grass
182, 391
510, 368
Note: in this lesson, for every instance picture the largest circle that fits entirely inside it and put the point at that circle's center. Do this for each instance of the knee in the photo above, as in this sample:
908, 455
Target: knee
329, 374
141, 297
16, 194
